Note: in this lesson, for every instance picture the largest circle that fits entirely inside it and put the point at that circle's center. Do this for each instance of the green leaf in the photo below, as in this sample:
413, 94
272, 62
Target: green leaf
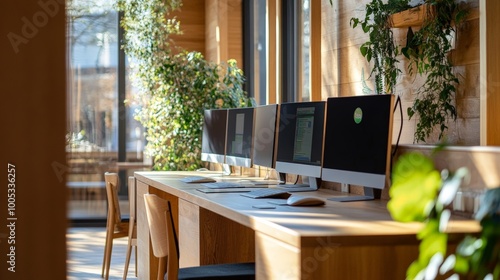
363, 49
460, 16
404, 51
365, 27
369, 55
461, 265
415, 184
354, 22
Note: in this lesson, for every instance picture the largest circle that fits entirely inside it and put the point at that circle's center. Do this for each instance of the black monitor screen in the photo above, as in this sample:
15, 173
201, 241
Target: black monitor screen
265, 135
239, 136
214, 135
300, 138
358, 139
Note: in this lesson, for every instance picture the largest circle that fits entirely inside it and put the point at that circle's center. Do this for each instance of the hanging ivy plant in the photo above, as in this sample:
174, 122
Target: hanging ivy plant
381, 46
427, 51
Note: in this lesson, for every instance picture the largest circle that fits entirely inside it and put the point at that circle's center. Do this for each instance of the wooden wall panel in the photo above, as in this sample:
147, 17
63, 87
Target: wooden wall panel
273, 90
211, 25
192, 23
224, 31
235, 31
490, 72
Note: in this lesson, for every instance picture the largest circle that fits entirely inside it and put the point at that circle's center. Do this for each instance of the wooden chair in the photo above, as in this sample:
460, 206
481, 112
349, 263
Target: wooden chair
115, 227
132, 229
166, 248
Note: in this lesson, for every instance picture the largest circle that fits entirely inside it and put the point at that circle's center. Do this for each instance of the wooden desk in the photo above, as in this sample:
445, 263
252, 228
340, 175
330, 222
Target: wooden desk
355, 240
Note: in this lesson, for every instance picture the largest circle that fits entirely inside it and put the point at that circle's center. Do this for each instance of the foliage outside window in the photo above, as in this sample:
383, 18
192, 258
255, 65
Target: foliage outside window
176, 86
427, 51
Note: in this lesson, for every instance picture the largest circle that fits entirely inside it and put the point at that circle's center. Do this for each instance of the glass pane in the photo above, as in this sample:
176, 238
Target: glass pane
305, 36
92, 100
135, 137
135, 130
260, 51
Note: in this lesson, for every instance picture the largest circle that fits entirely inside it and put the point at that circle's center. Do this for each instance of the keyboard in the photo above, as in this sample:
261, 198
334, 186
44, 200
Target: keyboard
267, 193
197, 179
229, 190
295, 187
225, 185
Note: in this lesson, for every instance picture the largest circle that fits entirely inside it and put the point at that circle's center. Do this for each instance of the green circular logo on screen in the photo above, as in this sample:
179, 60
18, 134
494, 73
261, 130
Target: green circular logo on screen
358, 115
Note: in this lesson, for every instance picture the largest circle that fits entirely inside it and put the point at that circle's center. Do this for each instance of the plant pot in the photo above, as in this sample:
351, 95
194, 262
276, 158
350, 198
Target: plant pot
411, 17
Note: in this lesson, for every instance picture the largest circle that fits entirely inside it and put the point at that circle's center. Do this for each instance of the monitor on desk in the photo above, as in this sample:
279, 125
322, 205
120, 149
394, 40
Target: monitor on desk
239, 136
264, 140
300, 142
358, 139
213, 145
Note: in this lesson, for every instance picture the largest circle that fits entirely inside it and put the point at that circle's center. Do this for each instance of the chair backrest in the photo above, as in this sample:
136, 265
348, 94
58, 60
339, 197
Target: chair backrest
162, 232
112, 194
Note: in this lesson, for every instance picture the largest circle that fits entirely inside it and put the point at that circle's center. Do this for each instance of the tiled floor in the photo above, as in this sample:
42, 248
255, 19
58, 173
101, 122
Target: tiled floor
86, 251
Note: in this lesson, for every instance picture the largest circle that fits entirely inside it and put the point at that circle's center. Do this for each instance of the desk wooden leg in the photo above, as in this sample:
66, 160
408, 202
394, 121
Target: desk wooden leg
275, 259
189, 234
146, 267
208, 238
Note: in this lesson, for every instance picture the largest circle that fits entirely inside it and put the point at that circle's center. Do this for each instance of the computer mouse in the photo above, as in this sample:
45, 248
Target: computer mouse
299, 200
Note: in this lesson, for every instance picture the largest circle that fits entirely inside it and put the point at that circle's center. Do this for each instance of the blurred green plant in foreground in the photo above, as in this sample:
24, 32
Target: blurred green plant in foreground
420, 193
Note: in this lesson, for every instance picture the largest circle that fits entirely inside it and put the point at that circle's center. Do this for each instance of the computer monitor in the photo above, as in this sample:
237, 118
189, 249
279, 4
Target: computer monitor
239, 136
300, 142
264, 140
358, 142
213, 141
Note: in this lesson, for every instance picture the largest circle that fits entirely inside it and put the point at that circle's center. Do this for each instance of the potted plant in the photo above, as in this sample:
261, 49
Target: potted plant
427, 50
175, 87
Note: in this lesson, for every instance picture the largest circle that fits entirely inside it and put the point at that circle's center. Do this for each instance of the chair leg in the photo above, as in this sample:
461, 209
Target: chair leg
105, 257
161, 268
136, 260
127, 260
129, 246
109, 249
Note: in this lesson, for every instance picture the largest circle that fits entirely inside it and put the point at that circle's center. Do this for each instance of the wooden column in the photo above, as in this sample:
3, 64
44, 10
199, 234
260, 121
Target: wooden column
223, 31
192, 19
33, 158
490, 72
315, 50
273, 51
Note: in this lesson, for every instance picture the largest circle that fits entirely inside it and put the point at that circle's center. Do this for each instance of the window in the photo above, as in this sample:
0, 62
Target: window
305, 50
101, 129
278, 50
